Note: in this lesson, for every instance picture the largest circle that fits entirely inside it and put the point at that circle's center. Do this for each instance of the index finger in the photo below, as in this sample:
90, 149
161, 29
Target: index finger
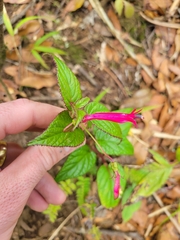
19, 115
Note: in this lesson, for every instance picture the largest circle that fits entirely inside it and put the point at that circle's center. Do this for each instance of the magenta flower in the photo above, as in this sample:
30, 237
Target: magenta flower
117, 187
115, 116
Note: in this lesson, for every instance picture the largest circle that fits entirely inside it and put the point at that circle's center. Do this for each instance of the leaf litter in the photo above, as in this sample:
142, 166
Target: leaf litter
147, 70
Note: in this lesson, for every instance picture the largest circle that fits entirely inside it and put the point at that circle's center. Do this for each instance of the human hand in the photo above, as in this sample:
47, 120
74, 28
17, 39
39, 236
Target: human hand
24, 178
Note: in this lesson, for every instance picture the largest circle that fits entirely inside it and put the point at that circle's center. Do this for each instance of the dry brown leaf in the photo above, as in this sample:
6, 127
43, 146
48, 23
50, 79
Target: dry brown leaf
175, 69
105, 218
174, 193
17, 1
161, 82
177, 115
12, 89
38, 82
157, 99
38, 7
164, 67
168, 232
140, 153
143, 59
25, 77
141, 218
114, 19
167, 34
140, 99
73, 5
32, 30
157, 58
26, 56
111, 54
164, 117
130, 61
172, 89
147, 79
156, 4
124, 226
12, 42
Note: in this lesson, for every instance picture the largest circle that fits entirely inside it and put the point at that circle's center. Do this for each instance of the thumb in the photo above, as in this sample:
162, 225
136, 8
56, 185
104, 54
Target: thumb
20, 178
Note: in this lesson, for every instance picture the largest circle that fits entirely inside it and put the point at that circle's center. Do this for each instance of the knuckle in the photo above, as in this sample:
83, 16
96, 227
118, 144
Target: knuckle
48, 156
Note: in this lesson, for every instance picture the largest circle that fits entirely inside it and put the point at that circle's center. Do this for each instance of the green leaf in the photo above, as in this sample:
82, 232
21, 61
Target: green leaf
127, 193
135, 175
111, 128
101, 95
52, 212
56, 137
112, 145
154, 180
23, 21
45, 37
78, 163
7, 22
162, 161
80, 114
125, 128
119, 6
128, 9
129, 210
82, 102
39, 58
46, 49
178, 154
105, 183
94, 107
68, 83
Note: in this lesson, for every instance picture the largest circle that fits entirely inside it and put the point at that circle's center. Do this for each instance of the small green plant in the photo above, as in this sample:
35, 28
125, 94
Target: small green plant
84, 119
37, 47
122, 6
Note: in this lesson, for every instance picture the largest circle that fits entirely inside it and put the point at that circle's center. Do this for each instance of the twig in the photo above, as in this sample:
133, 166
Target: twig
114, 77
159, 211
97, 6
174, 7
55, 233
22, 13
156, 134
159, 23
173, 220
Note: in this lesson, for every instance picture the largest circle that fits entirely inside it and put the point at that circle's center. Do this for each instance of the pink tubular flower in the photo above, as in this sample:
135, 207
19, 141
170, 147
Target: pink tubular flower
117, 188
115, 116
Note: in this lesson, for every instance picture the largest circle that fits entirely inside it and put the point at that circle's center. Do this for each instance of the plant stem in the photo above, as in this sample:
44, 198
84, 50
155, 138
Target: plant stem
111, 159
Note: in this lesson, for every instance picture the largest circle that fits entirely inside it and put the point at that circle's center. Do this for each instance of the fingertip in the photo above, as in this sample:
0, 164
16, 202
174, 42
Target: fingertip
36, 202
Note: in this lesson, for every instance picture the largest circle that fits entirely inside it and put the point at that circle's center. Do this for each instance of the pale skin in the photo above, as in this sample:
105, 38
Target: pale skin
24, 178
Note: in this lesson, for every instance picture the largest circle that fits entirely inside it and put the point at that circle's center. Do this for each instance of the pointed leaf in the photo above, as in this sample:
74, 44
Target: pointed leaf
154, 180
82, 102
129, 210
23, 21
39, 58
80, 114
68, 83
45, 37
128, 9
162, 161
7, 22
56, 137
78, 163
46, 49
105, 183
119, 6
178, 154
113, 146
